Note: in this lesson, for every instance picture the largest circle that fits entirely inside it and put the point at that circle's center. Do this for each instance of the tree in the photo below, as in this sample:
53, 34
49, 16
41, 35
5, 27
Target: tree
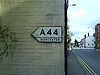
76, 43
68, 37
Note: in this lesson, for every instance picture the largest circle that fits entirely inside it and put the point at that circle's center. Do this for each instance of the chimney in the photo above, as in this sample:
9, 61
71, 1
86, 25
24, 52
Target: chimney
88, 34
84, 36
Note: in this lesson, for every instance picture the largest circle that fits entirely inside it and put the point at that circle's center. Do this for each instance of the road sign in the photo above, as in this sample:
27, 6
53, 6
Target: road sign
48, 34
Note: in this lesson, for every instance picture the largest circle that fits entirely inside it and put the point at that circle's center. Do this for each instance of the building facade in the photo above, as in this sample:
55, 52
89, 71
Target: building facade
97, 36
90, 42
30, 56
82, 43
87, 42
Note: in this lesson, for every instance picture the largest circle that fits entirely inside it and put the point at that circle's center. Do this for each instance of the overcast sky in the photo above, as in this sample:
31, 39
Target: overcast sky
83, 17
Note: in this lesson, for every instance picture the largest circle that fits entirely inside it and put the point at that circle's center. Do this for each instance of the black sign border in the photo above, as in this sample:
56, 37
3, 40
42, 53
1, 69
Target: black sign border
47, 41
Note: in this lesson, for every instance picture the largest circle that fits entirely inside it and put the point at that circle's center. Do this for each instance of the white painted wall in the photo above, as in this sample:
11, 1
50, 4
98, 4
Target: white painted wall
90, 42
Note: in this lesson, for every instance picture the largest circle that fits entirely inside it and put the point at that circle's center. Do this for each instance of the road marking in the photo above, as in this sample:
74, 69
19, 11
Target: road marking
87, 67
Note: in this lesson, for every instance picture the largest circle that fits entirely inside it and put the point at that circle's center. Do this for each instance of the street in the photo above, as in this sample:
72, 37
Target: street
85, 62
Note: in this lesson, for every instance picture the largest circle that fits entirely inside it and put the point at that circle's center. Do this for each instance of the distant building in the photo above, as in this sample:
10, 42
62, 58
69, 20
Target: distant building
97, 36
90, 42
82, 43
87, 42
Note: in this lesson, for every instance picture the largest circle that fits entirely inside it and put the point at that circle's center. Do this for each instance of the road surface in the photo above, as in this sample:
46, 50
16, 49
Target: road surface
74, 67
91, 58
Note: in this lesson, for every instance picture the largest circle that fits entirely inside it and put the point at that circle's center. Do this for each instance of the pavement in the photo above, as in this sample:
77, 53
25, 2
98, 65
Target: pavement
82, 48
97, 50
73, 65
86, 48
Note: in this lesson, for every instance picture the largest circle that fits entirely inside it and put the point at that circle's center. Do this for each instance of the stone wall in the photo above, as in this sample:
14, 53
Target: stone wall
31, 57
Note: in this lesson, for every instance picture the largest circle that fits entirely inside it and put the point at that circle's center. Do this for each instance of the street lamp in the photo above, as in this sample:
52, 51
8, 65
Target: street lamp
93, 34
93, 29
72, 5
66, 17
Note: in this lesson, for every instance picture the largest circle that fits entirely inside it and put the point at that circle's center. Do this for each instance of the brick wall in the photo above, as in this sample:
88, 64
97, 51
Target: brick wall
30, 56
97, 36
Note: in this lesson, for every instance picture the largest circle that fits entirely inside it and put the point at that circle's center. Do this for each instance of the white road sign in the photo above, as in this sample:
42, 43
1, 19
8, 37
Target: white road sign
48, 34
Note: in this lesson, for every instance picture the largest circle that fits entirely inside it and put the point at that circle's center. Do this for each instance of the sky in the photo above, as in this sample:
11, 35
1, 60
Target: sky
83, 17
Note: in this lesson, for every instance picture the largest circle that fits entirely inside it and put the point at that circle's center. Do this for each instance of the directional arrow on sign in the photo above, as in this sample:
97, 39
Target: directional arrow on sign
48, 34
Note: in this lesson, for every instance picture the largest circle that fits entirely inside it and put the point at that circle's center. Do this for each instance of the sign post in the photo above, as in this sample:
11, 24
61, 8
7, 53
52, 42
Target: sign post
48, 34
